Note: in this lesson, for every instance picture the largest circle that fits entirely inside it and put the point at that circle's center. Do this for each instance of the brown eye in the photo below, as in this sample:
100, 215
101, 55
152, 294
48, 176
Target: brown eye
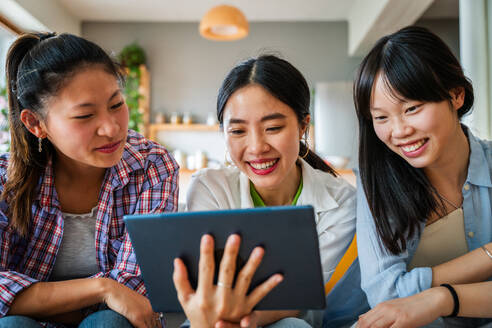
117, 105
83, 117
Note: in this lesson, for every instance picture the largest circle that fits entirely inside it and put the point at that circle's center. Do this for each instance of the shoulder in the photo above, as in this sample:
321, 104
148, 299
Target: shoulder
141, 153
4, 162
220, 179
335, 186
214, 189
486, 146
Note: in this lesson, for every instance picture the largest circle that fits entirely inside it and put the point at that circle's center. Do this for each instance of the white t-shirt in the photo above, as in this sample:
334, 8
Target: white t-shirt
333, 199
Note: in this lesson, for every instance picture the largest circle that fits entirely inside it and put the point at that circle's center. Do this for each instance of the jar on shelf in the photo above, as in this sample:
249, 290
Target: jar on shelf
187, 119
211, 118
175, 118
160, 118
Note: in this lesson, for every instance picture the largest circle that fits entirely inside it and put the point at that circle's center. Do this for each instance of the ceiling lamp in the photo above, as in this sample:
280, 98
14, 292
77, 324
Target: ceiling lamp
224, 23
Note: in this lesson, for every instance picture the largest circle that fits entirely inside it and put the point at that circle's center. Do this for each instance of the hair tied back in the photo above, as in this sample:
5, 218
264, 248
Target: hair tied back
45, 36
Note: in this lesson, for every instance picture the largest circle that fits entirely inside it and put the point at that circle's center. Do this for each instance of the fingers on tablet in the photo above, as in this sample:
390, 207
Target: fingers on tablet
262, 290
246, 275
206, 264
228, 263
181, 282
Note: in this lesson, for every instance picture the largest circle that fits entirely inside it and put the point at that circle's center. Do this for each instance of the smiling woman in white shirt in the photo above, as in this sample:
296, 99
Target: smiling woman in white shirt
263, 108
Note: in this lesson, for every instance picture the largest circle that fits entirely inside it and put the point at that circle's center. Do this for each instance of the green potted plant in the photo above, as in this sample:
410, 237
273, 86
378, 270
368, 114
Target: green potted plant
132, 57
4, 121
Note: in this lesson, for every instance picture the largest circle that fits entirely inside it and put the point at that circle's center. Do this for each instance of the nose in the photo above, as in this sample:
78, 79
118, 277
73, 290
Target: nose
108, 126
400, 128
257, 143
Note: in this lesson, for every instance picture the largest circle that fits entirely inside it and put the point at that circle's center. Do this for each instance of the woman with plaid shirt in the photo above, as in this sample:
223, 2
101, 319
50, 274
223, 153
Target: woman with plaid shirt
73, 172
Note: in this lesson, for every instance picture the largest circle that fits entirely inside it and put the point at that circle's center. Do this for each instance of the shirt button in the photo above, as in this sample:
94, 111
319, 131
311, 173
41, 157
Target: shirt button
471, 234
467, 187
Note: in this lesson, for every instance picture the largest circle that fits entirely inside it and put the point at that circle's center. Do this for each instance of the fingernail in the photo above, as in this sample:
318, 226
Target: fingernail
279, 278
257, 252
232, 239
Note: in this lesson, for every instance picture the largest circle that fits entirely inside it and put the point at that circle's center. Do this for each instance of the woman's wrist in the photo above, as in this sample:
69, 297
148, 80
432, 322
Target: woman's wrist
105, 287
445, 302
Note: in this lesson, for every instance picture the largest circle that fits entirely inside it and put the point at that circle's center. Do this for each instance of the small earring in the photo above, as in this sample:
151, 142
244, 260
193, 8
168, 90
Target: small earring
227, 160
306, 144
40, 145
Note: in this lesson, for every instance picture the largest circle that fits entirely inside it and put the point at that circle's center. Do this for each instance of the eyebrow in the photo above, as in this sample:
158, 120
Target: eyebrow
274, 116
91, 104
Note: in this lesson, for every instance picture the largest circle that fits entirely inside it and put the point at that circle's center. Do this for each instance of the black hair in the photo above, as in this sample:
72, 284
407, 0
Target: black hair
38, 64
414, 64
281, 80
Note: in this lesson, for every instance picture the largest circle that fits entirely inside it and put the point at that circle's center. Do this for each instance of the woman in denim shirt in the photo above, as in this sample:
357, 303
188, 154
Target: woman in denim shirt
424, 202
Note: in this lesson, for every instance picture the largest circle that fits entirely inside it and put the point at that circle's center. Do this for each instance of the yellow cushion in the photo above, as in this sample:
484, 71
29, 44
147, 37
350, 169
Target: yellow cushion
342, 267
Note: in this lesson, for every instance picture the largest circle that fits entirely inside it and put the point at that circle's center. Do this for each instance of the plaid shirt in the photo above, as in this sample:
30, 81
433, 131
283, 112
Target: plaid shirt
144, 181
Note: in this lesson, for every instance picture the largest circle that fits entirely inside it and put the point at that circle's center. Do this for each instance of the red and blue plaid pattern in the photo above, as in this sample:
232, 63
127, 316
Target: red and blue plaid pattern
144, 181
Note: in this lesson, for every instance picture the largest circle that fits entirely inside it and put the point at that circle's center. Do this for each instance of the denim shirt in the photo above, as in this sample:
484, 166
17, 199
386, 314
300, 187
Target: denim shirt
384, 276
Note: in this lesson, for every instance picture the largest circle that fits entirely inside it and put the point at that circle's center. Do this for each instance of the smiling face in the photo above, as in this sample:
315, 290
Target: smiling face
262, 136
422, 133
87, 120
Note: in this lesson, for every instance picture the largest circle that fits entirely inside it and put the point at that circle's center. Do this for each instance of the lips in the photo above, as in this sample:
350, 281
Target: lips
414, 149
263, 166
109, 148
414, 146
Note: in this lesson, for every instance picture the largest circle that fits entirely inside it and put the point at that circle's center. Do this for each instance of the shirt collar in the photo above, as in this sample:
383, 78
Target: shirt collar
47, 196
118, 175
314, 191
478, 168
131, 160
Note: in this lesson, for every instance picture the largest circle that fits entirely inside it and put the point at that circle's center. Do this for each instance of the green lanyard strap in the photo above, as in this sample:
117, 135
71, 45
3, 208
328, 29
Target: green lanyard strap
258, 202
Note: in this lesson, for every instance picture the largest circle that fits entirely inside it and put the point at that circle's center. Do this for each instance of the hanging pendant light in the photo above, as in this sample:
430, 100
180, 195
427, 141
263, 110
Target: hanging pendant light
224, 23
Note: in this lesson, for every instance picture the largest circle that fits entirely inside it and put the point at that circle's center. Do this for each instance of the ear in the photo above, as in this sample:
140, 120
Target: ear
304, 125
457, 97
32, 123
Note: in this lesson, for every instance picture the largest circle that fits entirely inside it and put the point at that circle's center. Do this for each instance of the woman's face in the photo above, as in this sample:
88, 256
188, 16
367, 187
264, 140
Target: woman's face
87, 120
262, 136
420, 132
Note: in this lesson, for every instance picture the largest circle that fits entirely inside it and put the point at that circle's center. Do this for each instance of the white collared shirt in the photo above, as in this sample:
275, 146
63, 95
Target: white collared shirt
333, 199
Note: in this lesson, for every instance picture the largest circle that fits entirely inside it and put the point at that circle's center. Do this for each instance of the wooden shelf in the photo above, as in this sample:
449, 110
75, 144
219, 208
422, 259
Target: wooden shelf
155, 128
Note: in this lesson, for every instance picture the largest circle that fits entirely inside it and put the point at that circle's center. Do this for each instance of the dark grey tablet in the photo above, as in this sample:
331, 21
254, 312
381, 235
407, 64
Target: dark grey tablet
288, 235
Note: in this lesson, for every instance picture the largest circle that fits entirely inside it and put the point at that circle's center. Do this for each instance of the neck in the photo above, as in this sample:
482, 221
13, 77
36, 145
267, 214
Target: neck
284, 194
452, 168
76, 174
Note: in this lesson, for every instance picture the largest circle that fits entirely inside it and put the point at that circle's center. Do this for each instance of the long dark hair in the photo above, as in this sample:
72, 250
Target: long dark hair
415, 64
37, 66
281, 80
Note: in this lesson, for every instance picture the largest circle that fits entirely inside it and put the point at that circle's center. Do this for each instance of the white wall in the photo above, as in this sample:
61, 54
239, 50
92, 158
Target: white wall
187, 70
40, 15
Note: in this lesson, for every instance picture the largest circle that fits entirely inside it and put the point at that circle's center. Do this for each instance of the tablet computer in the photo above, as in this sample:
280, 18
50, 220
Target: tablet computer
288, 235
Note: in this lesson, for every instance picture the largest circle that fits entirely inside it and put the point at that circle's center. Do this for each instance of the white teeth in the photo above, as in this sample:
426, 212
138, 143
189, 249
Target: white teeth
413, 147
262, 166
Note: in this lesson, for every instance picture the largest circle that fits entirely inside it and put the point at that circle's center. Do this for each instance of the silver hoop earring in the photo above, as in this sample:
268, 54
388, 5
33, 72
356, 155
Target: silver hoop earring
306, 144
40, 145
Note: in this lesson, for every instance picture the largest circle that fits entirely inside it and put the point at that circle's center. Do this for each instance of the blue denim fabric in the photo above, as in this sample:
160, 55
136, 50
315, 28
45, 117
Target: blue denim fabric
284, 323
105, 319
16, 321
384, 275
289, 323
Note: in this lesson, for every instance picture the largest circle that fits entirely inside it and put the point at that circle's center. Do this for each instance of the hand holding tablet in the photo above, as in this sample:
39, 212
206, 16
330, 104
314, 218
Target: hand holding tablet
228, 299
289, 246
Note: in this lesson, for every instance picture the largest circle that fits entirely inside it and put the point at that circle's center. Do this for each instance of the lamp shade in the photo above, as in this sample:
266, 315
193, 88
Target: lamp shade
224, 23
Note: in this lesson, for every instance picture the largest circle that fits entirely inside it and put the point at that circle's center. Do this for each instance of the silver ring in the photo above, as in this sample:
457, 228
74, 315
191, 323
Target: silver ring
158, 318
221, 284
